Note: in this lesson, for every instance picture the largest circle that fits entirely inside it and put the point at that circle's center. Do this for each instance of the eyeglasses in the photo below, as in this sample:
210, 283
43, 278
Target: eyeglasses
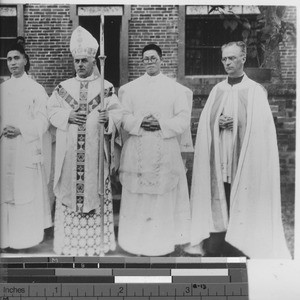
151, 59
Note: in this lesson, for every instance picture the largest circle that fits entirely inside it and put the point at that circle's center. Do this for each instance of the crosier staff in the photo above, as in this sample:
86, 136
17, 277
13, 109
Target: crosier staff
102, 58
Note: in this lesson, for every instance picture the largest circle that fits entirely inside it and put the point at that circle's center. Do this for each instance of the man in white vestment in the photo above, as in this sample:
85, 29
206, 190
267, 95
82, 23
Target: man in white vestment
235, 193
82, 226
155, 210
25, 157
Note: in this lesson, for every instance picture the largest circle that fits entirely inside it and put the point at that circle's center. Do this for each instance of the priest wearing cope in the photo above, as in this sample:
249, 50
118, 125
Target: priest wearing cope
74, 109
235, 194
155, 210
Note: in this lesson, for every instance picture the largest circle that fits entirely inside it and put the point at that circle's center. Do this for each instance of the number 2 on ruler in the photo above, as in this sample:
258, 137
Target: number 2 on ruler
121, 290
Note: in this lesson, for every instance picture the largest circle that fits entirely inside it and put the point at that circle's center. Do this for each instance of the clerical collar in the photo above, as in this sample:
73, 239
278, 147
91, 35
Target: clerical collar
153, 78
90, 78
235, 80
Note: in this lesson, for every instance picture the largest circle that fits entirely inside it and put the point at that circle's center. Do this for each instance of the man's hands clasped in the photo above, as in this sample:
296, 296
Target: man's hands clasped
79, 118
150, 123
226, 122
11, 132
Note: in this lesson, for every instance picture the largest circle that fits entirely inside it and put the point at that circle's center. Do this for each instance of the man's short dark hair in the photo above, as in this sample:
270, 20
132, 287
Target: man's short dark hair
17, 47
152, 47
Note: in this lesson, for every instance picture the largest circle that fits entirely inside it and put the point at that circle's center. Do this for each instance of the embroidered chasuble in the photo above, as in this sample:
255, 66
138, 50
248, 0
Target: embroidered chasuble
78, 222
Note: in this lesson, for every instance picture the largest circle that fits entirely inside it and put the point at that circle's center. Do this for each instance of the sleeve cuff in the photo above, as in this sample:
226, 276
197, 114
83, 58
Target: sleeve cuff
137, 130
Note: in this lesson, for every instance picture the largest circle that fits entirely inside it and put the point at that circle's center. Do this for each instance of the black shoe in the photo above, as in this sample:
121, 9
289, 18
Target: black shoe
209, 254
49, 233
230, 251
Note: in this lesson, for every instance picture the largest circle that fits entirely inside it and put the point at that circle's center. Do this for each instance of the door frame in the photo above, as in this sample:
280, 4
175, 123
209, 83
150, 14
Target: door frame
124, 48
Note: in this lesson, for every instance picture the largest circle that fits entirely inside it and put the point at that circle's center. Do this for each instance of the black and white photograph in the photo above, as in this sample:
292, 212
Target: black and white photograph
147, 129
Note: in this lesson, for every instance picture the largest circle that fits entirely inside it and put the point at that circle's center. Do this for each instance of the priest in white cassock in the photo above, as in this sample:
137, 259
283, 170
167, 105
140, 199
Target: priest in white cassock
235, 193
25, 157
74, 109
155, 210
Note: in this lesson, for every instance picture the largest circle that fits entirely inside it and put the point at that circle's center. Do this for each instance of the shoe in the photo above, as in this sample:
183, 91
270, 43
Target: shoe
193, 250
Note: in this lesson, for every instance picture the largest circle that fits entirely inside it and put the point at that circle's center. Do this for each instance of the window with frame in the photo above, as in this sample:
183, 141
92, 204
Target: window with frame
112, 43
89, 18
205, 34
8, 34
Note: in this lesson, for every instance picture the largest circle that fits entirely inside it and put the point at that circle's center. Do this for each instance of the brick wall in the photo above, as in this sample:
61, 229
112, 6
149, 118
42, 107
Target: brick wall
47, 31
283, 105
153, 24
288, 51
48, 28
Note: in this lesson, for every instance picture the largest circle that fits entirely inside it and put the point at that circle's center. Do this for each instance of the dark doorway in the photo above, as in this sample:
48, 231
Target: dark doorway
112, 25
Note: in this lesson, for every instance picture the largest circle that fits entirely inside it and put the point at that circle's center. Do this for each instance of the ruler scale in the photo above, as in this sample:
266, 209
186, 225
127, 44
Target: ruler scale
123, 278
